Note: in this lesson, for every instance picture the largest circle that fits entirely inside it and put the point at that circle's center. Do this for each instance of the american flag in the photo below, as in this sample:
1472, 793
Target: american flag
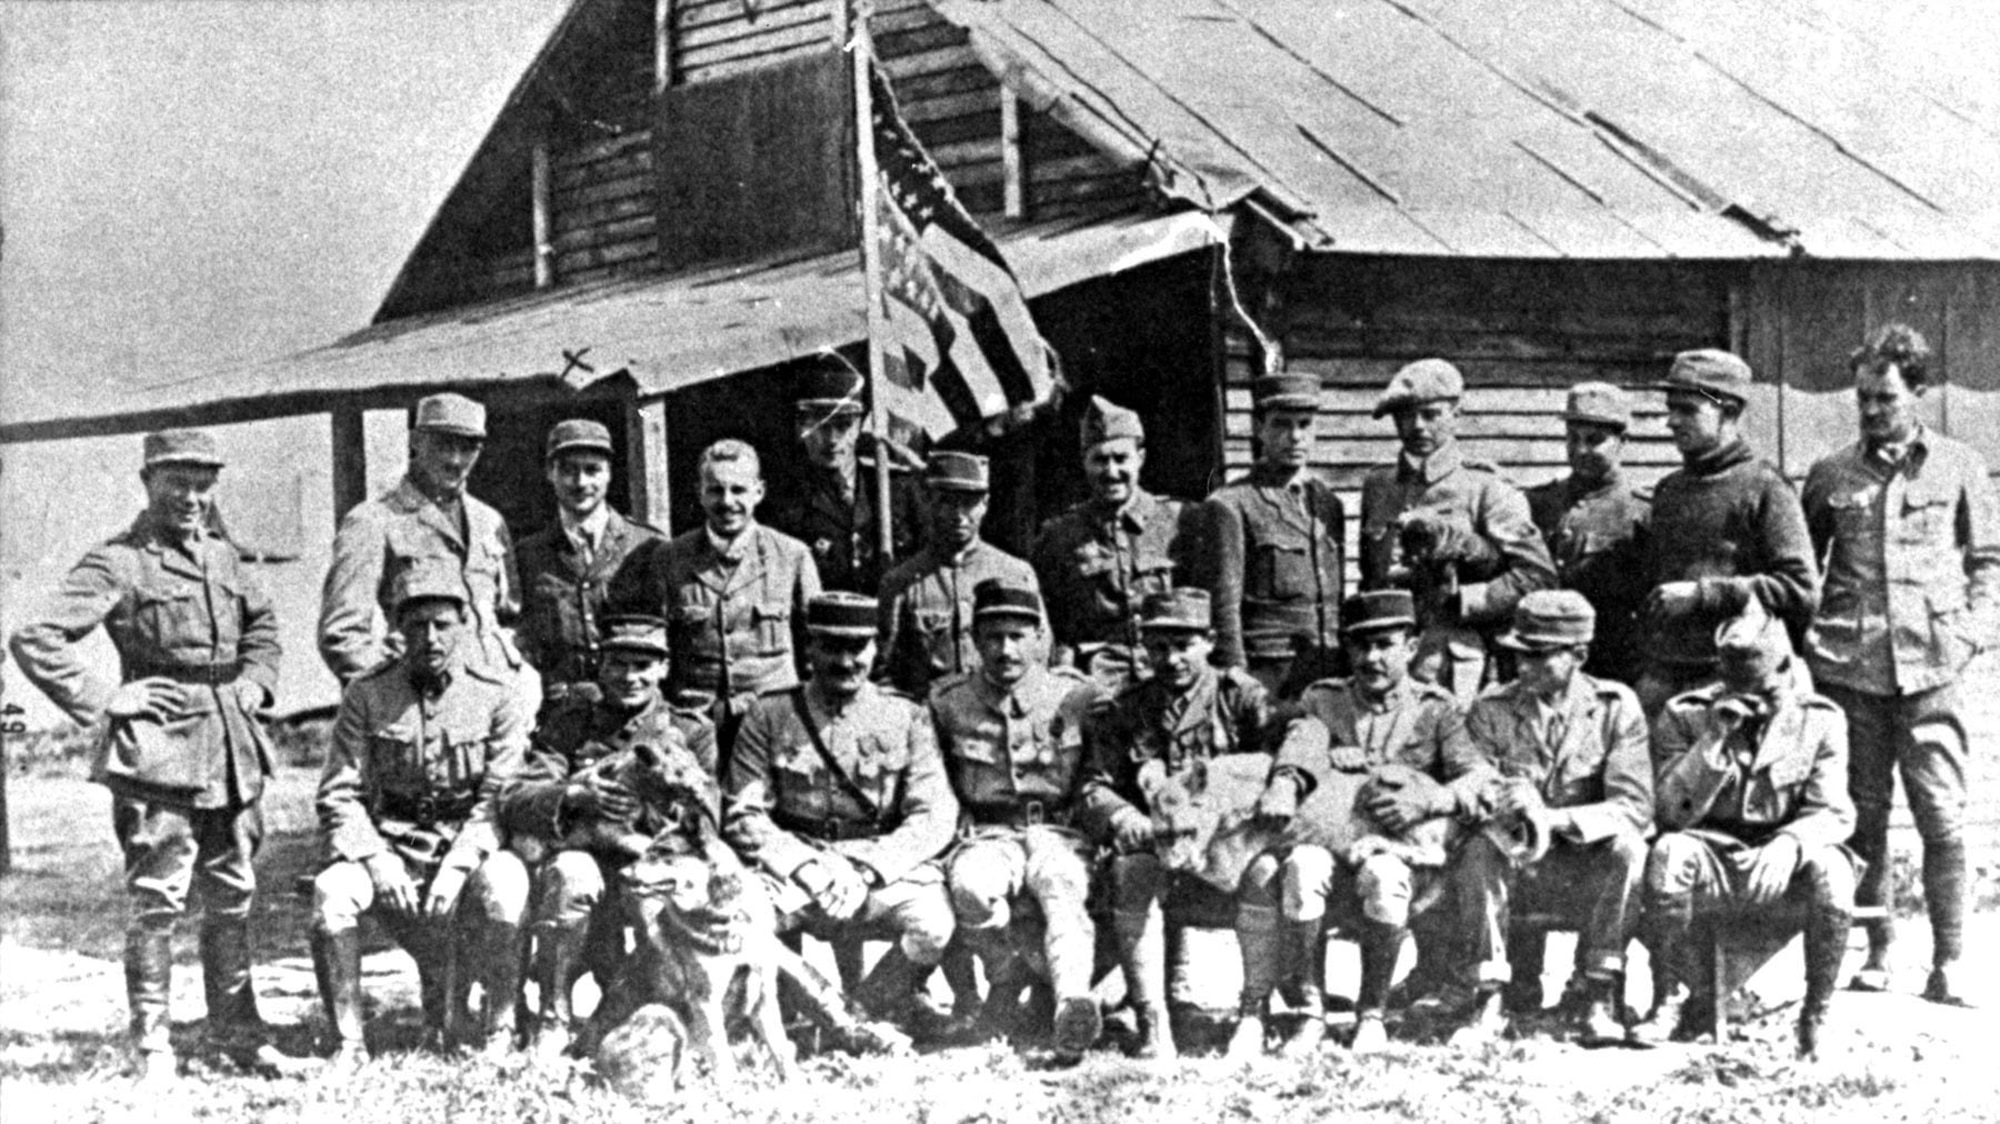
959, 345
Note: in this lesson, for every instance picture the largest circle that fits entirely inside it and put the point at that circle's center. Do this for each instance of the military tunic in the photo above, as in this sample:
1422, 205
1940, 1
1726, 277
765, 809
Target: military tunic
1096, 568
1274, 568
841, 530
926, 613
380, 539
563, 598
1459, 603
1597, 538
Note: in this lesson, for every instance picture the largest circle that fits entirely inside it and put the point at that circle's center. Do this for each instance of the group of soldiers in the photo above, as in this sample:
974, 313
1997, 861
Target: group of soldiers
954, 750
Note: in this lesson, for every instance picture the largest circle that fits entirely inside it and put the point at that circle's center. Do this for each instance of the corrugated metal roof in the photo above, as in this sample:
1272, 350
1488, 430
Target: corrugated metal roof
664, 332
1539, 128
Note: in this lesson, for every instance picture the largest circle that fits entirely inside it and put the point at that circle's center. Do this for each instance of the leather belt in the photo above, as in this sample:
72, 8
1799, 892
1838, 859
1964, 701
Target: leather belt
831, 831
1019, 814
209, 674
428, 810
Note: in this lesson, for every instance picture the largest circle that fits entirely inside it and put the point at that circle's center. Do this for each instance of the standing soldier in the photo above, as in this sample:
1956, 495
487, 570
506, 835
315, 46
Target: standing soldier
1188, 710
1752, 776
733, 594
1012, 738
1907, 524
1447, 528
1274, 566
1100, 559
422, 748
1595, 525
1380, 717
926, 627
428, 514
567, 570
558, 792
184, 753
834, 512
1574, 768
1727, 530
836, 792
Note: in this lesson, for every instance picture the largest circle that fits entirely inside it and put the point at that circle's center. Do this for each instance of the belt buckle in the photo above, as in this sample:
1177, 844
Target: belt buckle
1033, 814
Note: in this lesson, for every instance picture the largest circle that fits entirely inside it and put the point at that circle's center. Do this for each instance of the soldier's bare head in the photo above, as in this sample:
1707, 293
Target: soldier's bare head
441, 462
1891, 375
1425, 427
180, 498
431, 628
732, 485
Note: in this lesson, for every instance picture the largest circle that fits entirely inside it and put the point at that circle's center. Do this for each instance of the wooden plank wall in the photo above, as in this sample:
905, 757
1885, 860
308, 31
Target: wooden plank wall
1522, 332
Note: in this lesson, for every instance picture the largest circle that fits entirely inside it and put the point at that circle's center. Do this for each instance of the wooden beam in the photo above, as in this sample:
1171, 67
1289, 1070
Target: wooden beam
663, 45
646, 462
543, 193
1013, 161
350, 459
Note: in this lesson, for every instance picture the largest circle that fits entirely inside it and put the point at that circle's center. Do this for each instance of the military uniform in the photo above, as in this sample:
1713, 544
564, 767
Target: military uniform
564, 594
185, 790
1275, 572
1596, 536
415, 772
926, 624
836, 520
1096, 568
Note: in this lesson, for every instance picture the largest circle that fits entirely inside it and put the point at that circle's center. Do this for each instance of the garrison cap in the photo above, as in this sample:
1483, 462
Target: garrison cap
828, 392
1599, 403
578, 433
452, 413
634, 632
1377, 611
1426, 380
428, 579
1710, 372
998, 597
949, 471
1282, 391
1176, 610
182, 446
839, 613
1107, 421
1550, 618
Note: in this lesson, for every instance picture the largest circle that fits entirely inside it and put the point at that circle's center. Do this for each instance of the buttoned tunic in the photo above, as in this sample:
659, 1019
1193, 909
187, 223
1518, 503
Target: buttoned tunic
1597, 539
1275, 567
925, 625
1785, 774
1096, 567
1015, 757
563, 597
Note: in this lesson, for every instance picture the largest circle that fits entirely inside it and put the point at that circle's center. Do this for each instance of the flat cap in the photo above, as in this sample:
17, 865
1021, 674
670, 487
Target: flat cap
428, 579
1426, 380
1378, 610
1711, 372
950, 471
634, 632
1599, 403
577, 433
839, 613
828, 391
998, 597
1550, 618
1177, 609
182, 446
1108, 421
451, 413
1283, 391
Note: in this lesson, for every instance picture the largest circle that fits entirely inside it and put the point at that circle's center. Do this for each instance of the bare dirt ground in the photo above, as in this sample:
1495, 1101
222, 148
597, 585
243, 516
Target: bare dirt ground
62, 915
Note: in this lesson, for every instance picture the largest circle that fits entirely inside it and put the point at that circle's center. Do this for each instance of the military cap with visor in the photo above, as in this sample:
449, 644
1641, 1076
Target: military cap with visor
1710, 372
427, 579
839, 613
951, 471
577, 434
1377, 610
828, 392
1426, 380
1285, 391
1599, 403
1176, 610
451, 413
193, 447
634, 632
998, 598
1548, 619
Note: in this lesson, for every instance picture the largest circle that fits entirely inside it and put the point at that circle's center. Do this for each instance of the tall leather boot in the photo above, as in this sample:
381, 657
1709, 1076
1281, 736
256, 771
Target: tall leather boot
557, 968
1944, 900
888, 992
961, 977
1259, 941
337, 963
1381, 943
1142, 951
149, 961
1826, 946
498, 946
235, 1028
1308, 942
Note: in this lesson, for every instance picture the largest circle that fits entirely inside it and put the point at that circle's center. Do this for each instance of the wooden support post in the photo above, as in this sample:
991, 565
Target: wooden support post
10, 726
646, 462
1013, 162
543, 193
350, 460
663, 45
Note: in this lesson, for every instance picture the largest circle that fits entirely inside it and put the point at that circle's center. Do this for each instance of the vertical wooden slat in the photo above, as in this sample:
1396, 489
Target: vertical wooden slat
1013, 161
646, 462
543, 192
663, 45
350, 460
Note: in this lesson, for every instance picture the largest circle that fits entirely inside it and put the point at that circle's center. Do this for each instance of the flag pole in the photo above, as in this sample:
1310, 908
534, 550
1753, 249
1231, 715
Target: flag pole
862, 49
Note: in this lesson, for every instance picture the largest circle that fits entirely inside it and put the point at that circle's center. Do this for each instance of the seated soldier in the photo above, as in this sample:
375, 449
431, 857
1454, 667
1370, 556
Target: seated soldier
1012, 738
837, 794
1381, 716
1754, 806
421, 749
1188, 710
1571, 752
569, 799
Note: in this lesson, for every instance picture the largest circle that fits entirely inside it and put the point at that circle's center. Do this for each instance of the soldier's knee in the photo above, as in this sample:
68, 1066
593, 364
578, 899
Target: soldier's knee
341, 894
1626, 853
1383, 884
927, 926
1258, 885
979, 895
500, 887
1829, 874
1057, 876
1671, 862
1306, 879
